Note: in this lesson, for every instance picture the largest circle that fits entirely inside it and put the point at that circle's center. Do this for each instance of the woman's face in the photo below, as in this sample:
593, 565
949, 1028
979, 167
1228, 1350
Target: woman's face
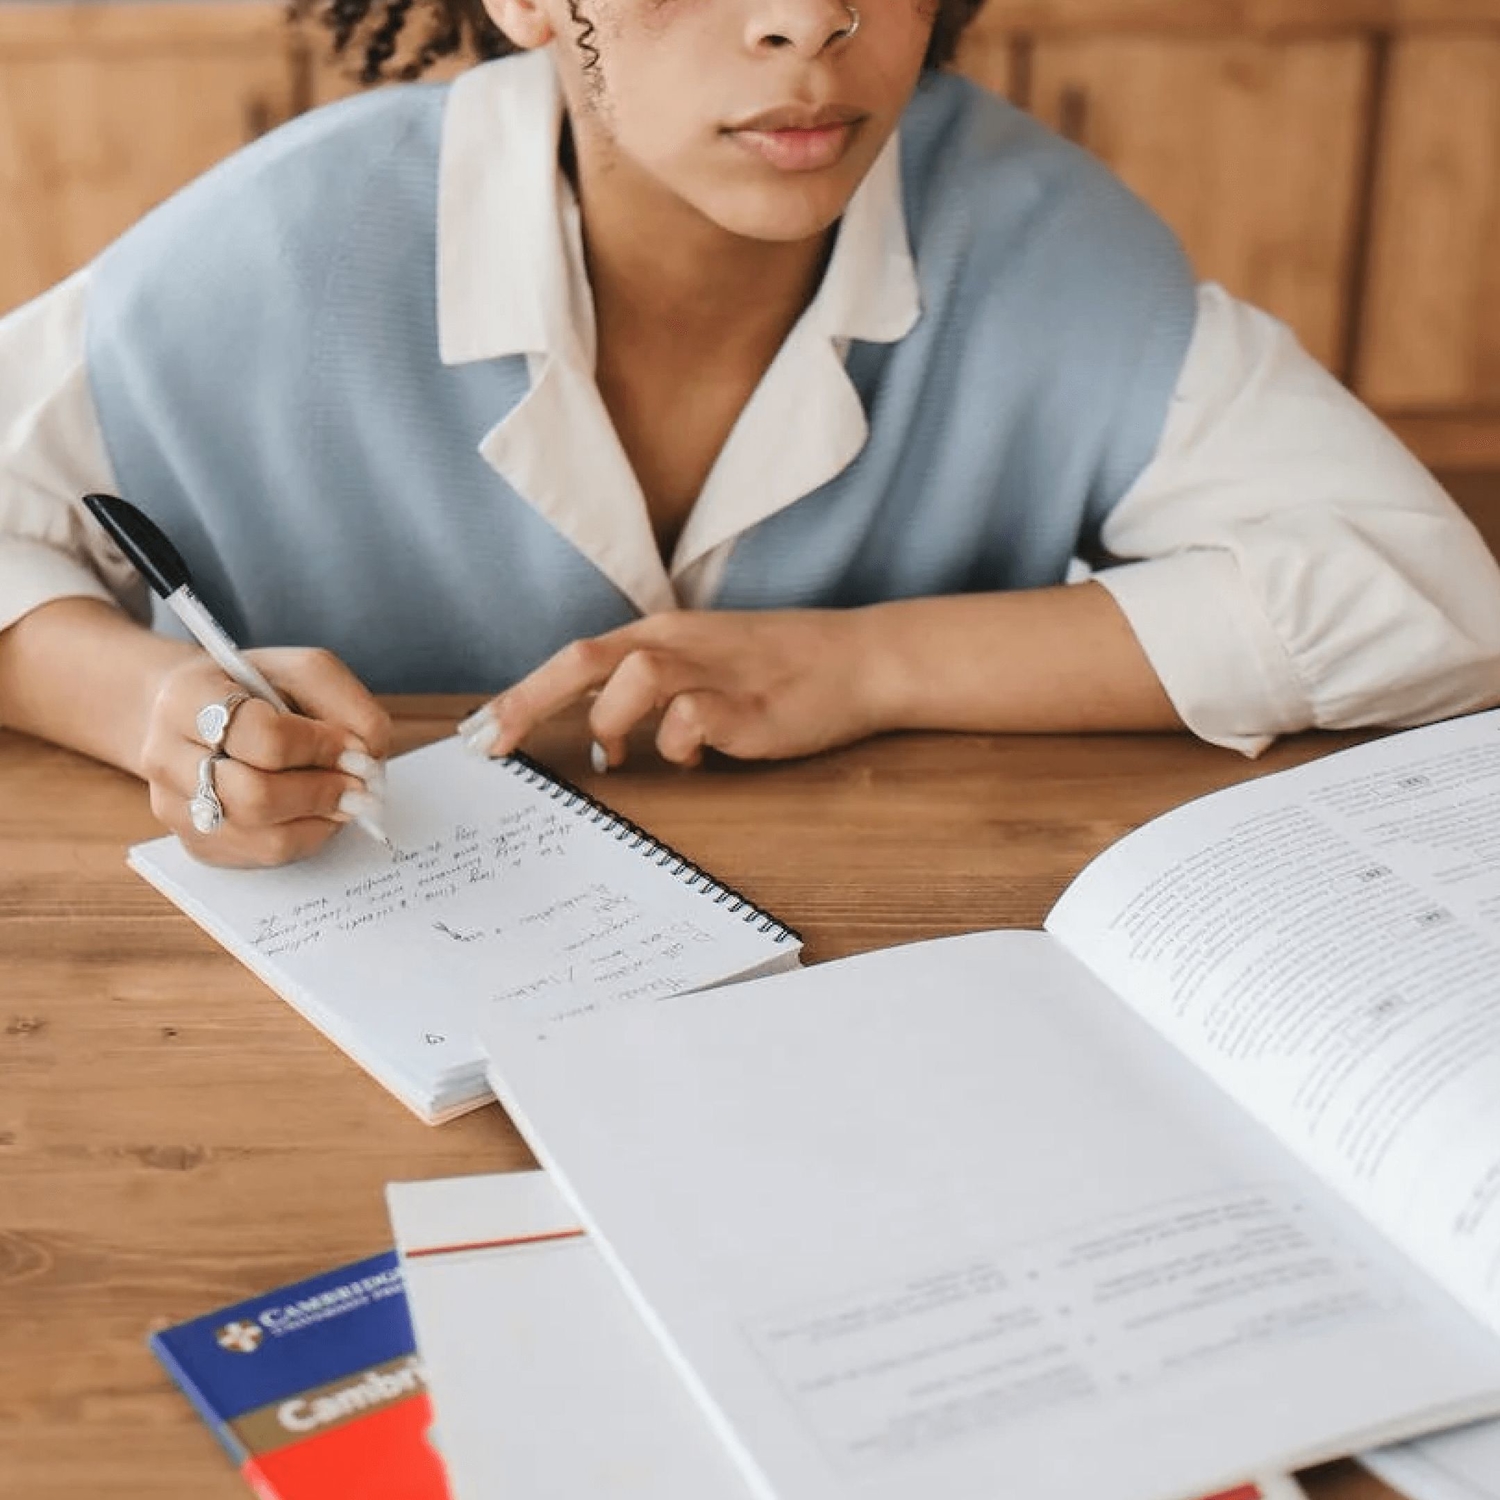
763, 115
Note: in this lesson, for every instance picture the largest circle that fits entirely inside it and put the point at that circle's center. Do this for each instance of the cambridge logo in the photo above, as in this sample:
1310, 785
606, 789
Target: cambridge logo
239, 1338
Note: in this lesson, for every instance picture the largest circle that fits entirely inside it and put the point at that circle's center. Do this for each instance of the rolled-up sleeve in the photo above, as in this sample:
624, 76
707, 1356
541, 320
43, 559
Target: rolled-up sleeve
51, 454
1297, 566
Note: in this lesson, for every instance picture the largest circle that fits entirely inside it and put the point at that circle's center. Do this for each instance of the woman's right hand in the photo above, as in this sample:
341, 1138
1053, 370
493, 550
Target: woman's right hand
286, 782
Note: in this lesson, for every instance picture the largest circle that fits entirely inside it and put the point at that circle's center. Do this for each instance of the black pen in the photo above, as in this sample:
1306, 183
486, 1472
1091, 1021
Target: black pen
160, 563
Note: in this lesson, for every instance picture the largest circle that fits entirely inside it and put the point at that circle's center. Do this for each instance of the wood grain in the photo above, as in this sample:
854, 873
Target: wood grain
173, 1137
993, 59
1451, 440
99, 123
1432, 324
1253, 151
137, 26
1479, 496
1281, 18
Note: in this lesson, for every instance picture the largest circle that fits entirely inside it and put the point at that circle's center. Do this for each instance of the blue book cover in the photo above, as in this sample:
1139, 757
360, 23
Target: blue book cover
315, 1389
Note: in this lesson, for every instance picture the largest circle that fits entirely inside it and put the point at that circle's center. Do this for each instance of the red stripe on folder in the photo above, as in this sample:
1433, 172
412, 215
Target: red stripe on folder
533, 1239
1244, 1492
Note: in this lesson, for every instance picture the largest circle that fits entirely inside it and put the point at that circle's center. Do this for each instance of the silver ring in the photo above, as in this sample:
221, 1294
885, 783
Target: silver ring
213, 719
205, 809
848, 31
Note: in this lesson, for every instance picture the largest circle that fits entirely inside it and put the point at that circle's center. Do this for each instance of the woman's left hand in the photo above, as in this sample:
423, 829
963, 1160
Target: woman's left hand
752, 685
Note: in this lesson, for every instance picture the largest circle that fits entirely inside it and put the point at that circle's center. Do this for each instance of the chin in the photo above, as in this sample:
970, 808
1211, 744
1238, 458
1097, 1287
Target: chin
782, 212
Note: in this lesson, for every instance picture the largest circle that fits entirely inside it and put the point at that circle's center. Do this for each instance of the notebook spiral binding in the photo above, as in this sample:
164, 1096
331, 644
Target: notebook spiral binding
575, 799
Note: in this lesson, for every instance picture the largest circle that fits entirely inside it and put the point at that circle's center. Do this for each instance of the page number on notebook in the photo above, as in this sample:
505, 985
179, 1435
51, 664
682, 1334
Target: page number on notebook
433, 1038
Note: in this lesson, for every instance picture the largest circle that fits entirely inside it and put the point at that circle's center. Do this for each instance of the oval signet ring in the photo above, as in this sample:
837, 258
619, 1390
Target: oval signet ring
205, 809
213, 720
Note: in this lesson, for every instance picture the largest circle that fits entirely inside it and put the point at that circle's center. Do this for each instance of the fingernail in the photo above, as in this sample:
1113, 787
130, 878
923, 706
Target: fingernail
481, 740
359, 804
598, 757
476, 720
365, 767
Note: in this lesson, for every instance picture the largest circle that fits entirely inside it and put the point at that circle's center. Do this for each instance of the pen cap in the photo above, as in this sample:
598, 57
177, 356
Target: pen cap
142, 541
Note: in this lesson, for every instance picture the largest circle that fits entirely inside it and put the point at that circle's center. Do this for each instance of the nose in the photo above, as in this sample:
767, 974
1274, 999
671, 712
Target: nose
807, 27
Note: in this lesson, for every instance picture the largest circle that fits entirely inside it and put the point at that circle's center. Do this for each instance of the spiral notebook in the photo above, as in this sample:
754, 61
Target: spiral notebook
510, 891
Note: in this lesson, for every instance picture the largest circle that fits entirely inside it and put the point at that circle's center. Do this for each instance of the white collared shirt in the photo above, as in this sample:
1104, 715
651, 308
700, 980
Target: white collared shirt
1279, 527
503, 292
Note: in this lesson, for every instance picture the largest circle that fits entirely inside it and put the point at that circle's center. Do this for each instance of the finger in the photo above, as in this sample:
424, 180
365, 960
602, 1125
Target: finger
253, 798
258, 734
268, 740
237, 846
562, 679
324, 688
644, 683
259, 848
692, 722
263, 799
481, 729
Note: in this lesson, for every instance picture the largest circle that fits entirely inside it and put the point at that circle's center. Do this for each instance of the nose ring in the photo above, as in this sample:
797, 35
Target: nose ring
847, 32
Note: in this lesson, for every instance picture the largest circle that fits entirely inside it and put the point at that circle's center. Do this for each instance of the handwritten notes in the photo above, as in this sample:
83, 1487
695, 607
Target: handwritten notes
503, 892
421, 878
506, 888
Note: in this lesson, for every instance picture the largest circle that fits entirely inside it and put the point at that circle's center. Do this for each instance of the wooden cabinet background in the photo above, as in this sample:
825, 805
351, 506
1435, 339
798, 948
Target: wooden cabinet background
1252, 150
1335, 161
105, 110
1432, 314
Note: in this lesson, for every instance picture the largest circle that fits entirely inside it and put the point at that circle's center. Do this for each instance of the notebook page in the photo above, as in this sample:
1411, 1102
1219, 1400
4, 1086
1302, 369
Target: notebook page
499, 897
923, 1217
1325, 943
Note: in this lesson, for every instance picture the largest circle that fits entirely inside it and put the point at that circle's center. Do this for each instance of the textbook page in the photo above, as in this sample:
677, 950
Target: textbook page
917, 1221
503, 893
545, 1382
1325, 943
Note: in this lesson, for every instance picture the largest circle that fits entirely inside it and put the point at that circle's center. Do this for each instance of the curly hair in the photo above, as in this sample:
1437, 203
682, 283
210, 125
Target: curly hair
372, 32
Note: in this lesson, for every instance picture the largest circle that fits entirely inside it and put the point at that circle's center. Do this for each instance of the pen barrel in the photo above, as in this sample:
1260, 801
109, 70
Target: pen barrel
188, 608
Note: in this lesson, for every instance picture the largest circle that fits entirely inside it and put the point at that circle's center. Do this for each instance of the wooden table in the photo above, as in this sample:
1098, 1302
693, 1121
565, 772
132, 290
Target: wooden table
173, 1137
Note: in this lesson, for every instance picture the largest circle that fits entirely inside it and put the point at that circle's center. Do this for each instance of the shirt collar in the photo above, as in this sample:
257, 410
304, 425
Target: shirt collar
502, 261
509, 269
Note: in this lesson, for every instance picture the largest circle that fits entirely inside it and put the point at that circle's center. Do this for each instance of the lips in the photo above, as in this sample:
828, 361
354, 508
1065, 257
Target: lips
796, 137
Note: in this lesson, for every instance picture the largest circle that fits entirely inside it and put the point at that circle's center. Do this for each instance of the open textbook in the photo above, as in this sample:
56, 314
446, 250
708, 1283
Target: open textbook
509, 889
1203, 1181
545, 1381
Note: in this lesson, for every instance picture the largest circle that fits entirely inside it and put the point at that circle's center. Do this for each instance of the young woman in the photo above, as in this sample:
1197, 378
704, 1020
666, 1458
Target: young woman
725, 360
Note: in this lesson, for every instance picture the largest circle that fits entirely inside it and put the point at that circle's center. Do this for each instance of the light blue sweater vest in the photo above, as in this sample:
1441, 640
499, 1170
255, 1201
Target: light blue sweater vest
264, 363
